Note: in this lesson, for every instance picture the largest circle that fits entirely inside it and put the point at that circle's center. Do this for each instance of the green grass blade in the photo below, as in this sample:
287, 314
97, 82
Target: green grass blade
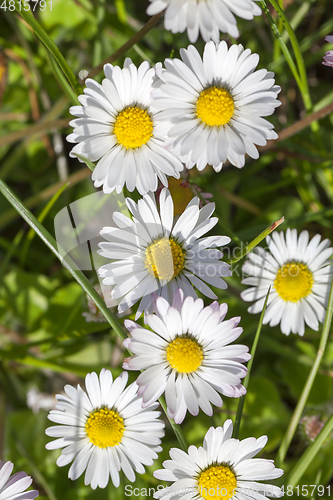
308, 456
50, 45
89, 163
244, 251
304, 87
287, 438
284, 47
249, 367
34, 468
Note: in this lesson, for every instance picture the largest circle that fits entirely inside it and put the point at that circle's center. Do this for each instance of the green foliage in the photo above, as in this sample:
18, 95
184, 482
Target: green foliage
45, 341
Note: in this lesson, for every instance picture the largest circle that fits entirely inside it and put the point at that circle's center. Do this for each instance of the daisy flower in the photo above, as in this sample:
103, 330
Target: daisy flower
328, 57
212, 107
153, 254
14, 487
105, 430
207, 16
187, 356
224, 468
117, 126
299, 273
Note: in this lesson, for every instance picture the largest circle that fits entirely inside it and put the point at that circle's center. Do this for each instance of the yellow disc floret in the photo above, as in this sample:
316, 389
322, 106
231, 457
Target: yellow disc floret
293, 281
133, 127
105, 428
184, 355
217, 482
215, 107
165, 259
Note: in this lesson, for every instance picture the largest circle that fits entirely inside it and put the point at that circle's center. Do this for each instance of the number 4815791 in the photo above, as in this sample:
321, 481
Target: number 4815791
26, 5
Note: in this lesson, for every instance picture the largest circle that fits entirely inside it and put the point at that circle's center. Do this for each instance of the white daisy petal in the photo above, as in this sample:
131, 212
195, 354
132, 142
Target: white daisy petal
208, 16
15, 486
100, 441
214, 105
299, 291
154, 254
223, 465
193, 363
113, 130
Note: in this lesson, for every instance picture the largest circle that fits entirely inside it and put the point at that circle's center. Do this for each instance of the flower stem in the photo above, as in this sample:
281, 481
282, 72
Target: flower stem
244, 251
284, 47
50, 45
303, 463
249, 367
301, 78
175, 427
287, 438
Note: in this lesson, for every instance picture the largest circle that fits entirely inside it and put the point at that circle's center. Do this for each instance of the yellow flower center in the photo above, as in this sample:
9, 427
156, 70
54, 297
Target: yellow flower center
217, 482
215, 106
105, 428
133, 127
165, 259
293, 281
184, 355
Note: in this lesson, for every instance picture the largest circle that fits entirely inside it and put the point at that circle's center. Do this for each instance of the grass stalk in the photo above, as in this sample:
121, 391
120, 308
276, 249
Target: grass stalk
308, 456
50, 45
249, 367
287, 438
244, 251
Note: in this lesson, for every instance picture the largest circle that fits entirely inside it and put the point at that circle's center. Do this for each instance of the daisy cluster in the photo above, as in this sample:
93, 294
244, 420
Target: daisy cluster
144, 126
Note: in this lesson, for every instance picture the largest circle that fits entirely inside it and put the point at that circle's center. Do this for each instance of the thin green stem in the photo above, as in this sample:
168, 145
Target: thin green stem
298, 55
244, 251
61, 79
284, 47
35, 469
308, 456
298, 72
249, 367
277, 47
128, 45
50, 45
175, 427
89, 163
287, 438
56, 365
